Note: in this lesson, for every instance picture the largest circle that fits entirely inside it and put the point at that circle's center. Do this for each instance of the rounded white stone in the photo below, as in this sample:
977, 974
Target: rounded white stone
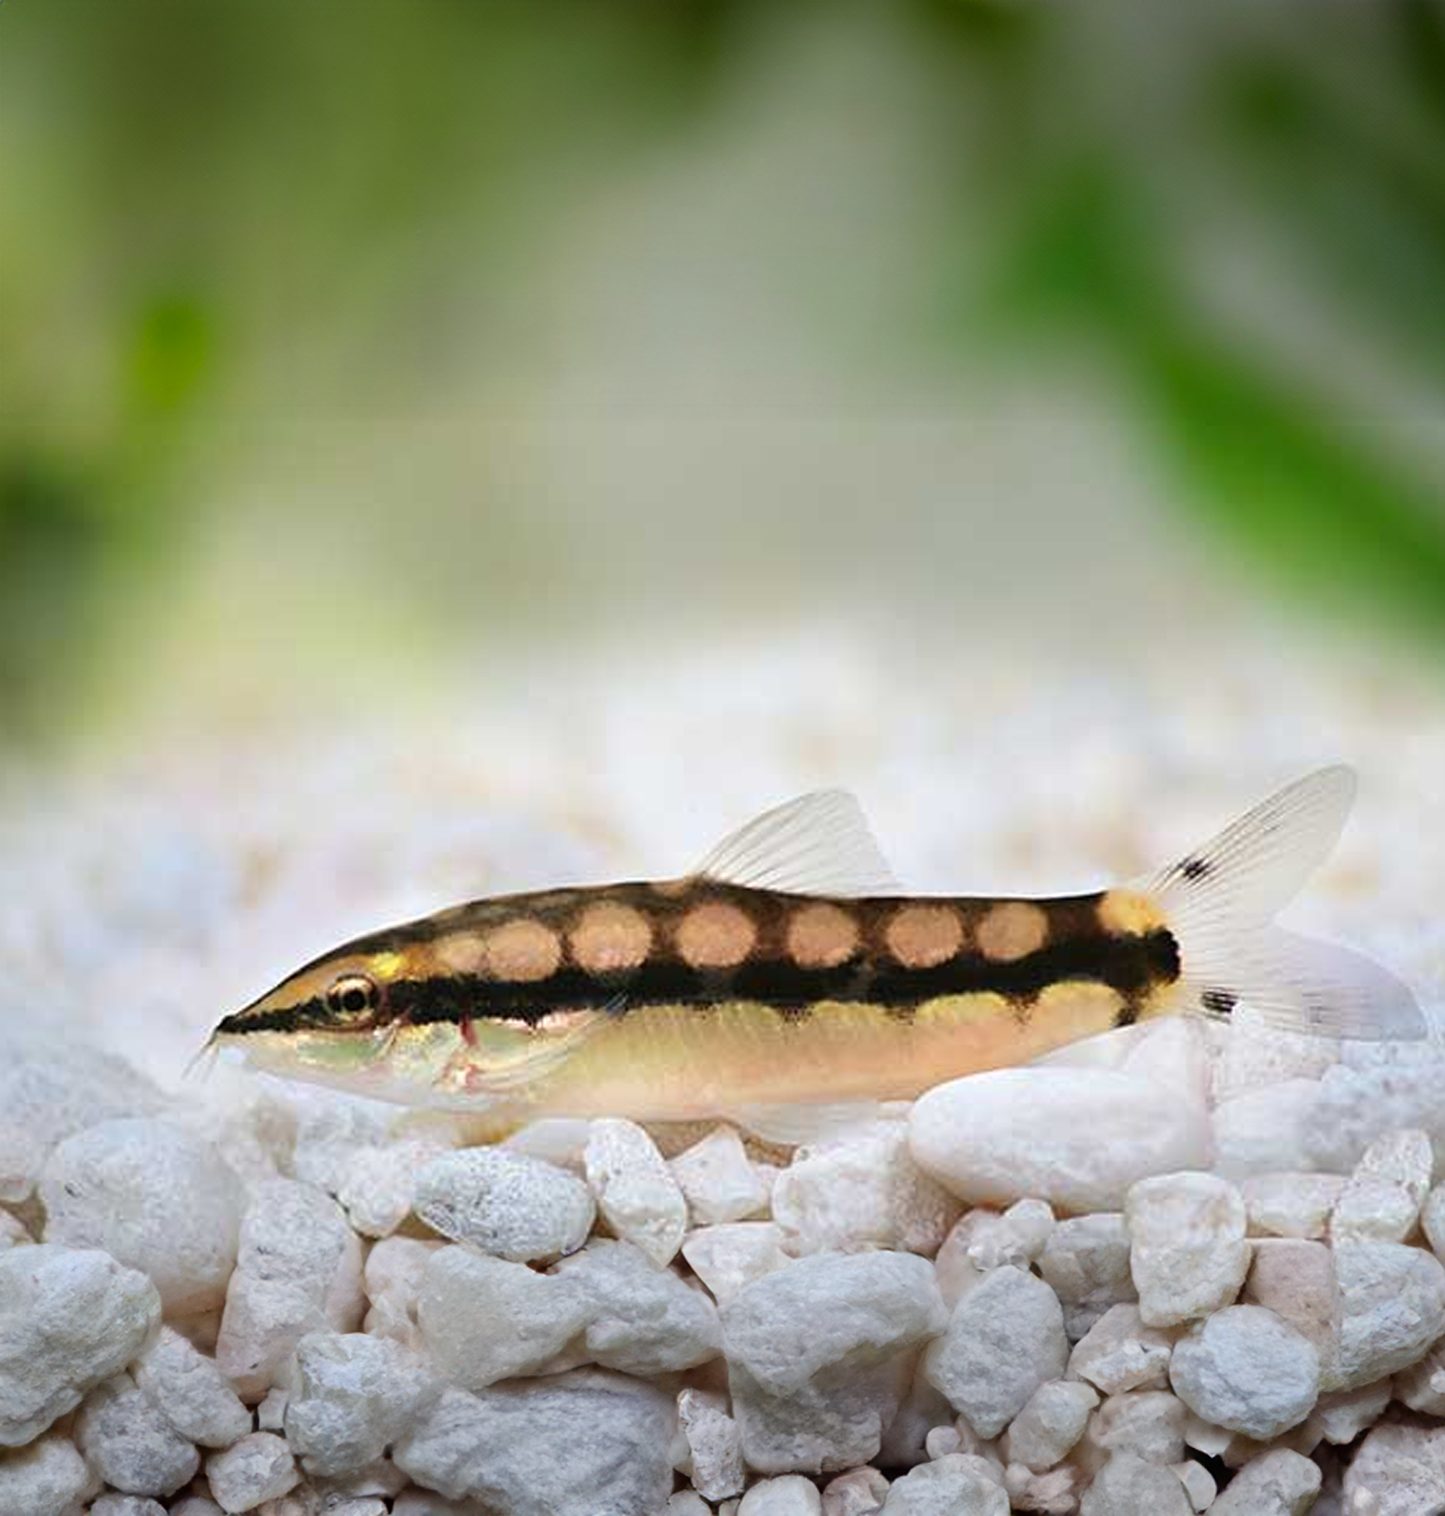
483, 1319
298, 1270
1086, 1264
1390, 1309
156, 1199
68, 1320
190, 1392
394, 1269
717, 1179
257, 1469
1076, 1138
354, 1396
128, 1505
714, 1445
46, 1478
729, 1257
643, 1319
1188, 1253
1397, 1471
859, 1492
129, 1443
634, 1189
1049, 1425
49, 1093
861, 1191
1147, 1423
787, 1495
1128, 1486
1120, 1353
1266, 1130
1005, 1338
1290, 1205
1248, 1370
506, 1204
955, 1485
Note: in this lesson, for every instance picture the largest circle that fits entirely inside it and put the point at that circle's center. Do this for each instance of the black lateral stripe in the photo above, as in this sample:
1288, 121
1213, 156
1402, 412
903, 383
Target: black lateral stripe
1128, 965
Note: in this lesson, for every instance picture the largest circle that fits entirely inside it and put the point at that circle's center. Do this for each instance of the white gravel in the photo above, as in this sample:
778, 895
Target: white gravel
1057, 1289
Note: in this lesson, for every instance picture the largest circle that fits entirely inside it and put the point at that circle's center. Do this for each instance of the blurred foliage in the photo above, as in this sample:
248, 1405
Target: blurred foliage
216, 216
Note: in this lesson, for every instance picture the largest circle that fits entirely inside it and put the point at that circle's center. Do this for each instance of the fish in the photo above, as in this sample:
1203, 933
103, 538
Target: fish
788, 978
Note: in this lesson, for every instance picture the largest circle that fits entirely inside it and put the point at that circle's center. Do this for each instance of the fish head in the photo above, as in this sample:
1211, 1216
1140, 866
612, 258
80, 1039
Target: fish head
330, 1020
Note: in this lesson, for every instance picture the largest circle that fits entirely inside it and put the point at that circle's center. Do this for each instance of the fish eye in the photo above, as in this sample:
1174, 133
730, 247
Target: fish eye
353, 995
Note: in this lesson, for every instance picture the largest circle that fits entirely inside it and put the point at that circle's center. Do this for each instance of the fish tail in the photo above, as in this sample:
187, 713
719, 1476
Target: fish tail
1220, 901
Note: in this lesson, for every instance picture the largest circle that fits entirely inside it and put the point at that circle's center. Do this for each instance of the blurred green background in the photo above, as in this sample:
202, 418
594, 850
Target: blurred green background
344, 346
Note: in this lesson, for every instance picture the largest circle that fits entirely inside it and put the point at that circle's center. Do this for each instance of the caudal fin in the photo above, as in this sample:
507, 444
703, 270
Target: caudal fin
1220, 901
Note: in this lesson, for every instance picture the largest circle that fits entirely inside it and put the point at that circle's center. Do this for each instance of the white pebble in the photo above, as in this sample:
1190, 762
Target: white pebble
1341, 1415
68, 1320
956, 1485
729, 1257
1357, 1105
127, 1505
643, 1318
50, 1092
506, 1204
483, 1319
1086, 1264
859, 1492
1296, 1280
44, 1479
1055, 1493
1128, 1486
1391, 1308
1198, 1483
1147, 1423
1049, 1425
1290, 1205
1188, 1253
861, 1191
195, 1505
156, 1199
191, 1393
1397, 1471
686, 1503
257, 1469
787, 1495
1120, 1353
13, 1233
717, 1180
355, 1396
576, 1444
714, 1444
1432, 1220
298, 1270
1076, 1138
636, 1194
1382, 1201
129, 1444
1373, 1210
814, 1356
1004, 1339
1246, 1369
1266, 1130
393, 1275
379, 1182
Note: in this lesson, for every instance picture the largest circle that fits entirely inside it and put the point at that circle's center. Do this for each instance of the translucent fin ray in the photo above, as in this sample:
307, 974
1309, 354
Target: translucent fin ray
1220, 900
818, 844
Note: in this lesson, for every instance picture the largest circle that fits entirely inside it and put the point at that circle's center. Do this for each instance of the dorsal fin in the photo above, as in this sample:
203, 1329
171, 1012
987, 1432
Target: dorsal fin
818, 844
